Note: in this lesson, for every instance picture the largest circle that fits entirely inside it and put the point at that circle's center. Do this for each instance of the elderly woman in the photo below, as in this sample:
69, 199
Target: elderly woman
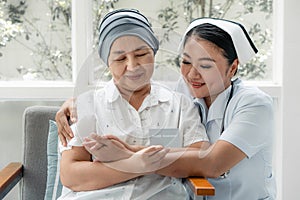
129, 107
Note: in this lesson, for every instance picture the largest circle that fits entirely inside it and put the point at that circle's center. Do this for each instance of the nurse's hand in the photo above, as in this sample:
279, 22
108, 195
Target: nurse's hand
105, 149
67, 110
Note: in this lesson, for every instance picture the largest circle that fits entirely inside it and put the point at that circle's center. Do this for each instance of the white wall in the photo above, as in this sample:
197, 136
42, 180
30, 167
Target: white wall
291, 101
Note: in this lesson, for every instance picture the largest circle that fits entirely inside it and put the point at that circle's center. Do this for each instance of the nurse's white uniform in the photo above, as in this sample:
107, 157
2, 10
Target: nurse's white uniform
248, 125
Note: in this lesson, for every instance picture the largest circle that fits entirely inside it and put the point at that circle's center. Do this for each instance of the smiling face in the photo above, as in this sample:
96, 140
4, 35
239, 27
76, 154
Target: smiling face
205, 69
131, 63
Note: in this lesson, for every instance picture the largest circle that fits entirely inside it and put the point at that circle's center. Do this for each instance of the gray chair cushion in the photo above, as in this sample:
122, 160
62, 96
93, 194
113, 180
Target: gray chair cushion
35, 126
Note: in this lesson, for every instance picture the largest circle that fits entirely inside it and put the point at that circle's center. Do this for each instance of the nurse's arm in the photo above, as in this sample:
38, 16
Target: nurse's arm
210, 163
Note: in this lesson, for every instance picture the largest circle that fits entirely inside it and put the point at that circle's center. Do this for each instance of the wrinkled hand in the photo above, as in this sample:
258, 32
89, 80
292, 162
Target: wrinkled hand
106, 149
147, 160
68, 109
133, 148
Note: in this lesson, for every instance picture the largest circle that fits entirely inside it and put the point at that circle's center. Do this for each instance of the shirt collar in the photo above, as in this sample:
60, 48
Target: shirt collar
111, 91
203, 109
217, 108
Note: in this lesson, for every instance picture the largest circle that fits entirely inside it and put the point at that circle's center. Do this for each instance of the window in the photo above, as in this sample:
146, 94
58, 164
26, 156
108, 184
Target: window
42, 42
169, 20
35, 40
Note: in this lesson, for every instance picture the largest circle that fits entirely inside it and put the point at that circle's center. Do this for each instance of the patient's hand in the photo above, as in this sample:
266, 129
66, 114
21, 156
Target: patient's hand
147, 160
106, 149
133, 148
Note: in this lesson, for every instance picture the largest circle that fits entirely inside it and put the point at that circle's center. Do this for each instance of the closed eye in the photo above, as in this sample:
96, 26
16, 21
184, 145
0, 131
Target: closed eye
141, 55
185, 62
119, 59
205, 66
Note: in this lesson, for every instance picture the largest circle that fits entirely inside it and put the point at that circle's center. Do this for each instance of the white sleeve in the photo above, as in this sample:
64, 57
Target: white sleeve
190, 123
86, 122
251, 124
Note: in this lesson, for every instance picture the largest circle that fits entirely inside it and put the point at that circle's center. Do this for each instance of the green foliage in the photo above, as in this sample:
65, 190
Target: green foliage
10, 21
191, 9
50, 61
100, 8
169, 21
53, 62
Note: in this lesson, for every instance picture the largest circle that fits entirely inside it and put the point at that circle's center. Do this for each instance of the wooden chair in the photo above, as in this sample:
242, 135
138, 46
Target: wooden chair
32, 172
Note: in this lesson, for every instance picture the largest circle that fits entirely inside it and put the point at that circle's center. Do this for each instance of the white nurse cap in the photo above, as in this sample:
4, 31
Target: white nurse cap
242, 42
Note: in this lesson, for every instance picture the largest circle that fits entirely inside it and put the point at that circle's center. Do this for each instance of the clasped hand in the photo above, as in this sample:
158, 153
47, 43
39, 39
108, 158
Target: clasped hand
121, 156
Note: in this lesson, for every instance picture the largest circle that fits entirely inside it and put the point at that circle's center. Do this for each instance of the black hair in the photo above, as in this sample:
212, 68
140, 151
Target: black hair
217, 36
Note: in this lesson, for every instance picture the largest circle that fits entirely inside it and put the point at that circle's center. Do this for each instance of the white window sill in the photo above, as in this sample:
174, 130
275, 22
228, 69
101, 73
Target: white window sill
59, 90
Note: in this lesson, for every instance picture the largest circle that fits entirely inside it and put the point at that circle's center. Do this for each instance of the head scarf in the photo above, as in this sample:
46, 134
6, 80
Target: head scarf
124, 22
242, 42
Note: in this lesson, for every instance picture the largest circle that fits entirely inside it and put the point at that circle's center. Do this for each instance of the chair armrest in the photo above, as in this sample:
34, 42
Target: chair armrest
9, 177
199, 186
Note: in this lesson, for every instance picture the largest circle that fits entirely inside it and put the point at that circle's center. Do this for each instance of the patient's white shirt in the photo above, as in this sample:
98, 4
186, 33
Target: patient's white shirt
105, 111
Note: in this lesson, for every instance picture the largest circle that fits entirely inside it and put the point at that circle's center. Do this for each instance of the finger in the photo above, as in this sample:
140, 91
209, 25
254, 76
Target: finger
64, 127
158, 155
96, 147
87, 139
89, 144
100, 139
115, 139
73, 112
68, 130
152, 149
111, 137
92, 144
94, 136
65, 133
63, 140
118, 144
61, 115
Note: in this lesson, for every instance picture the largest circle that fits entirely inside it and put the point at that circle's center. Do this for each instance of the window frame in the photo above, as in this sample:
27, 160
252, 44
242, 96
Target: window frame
82, 47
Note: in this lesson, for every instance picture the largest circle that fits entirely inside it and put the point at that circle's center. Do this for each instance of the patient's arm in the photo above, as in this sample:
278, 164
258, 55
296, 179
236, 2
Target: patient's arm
106, 150
147, 160
109, 148
79, 173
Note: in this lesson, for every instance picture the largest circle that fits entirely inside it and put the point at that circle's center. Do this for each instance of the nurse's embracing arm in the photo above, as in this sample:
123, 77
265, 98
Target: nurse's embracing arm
208, 162
248, 133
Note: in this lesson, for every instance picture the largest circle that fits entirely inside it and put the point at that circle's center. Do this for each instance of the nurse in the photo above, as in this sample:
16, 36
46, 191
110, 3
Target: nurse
238, 118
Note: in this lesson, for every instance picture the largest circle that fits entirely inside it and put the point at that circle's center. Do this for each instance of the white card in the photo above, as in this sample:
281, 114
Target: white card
166, 137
